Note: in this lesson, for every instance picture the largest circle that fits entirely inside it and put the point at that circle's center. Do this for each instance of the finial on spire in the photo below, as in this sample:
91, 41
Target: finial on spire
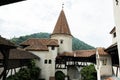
62, 5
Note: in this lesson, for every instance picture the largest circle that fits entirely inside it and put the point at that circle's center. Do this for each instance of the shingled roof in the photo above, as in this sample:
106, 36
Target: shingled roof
84, 53
20, 54
39, 44
79, 53
61, 26
101, 51
5, 42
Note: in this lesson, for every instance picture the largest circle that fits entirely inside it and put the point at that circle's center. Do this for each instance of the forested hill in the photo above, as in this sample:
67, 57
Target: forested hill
76, 44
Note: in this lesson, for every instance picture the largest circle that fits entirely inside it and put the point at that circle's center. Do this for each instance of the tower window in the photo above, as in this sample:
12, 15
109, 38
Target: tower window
104, 62
52, 47
50, 61
61, 41
45, 61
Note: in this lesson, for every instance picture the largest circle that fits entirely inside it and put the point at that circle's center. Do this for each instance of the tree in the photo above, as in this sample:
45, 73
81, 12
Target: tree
89, 73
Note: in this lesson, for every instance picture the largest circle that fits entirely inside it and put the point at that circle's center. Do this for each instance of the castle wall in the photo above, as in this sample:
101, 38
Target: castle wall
106, 66
46, 62
117, 22
114, 40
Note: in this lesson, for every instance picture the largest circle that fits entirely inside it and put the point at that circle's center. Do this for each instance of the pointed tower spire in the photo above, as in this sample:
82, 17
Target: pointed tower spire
61, 26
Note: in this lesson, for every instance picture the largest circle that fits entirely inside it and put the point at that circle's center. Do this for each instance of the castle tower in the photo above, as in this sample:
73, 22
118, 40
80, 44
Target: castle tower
62, 33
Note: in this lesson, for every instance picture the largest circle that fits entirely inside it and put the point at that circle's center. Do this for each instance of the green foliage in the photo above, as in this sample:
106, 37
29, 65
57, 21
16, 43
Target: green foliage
76, 43
59, 75
89, 73
35, 35
30, 73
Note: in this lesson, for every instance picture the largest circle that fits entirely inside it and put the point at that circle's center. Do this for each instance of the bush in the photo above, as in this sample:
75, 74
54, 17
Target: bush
30, 73
59, 75
89, 73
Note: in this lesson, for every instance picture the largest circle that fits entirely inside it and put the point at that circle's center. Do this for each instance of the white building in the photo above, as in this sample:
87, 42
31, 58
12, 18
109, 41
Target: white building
56, 54
48, 49
114, 49
116, 4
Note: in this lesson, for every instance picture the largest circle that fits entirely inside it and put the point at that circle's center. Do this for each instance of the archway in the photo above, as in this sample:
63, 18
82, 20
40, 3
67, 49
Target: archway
59, 75
73, 72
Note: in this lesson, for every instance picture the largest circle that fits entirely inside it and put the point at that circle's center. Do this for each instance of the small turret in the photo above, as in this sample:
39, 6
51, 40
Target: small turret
62, 33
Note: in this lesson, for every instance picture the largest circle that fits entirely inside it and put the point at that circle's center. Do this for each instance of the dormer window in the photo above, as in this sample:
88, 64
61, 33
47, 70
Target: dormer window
53, 47
61, 41
104, 62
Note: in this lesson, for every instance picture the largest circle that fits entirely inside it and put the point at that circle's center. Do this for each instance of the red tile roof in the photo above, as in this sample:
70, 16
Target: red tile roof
20, 54
84, 53
61, 26
39, 44
101, 51
79, 53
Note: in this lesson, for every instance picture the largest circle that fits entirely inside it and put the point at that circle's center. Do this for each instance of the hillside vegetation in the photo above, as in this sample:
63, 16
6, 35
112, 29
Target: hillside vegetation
76, 43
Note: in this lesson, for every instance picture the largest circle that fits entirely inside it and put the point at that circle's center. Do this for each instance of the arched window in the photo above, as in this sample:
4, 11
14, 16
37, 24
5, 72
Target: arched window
45, 61
50, 61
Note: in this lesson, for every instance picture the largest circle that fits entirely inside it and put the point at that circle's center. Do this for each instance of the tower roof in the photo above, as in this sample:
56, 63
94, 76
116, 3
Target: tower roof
61, 26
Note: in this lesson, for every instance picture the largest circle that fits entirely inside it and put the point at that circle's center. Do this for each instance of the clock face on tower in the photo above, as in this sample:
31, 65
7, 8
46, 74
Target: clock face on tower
117, 2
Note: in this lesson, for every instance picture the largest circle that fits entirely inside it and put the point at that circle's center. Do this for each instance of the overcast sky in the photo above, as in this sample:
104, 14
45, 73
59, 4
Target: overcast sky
89, 20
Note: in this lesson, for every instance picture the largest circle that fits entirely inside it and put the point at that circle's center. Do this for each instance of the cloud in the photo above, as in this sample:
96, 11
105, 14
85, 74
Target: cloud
89, 20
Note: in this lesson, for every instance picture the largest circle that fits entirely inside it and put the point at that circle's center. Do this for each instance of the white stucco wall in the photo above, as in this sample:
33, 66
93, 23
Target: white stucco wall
114, 39
105, 69
47, 69
117, 23
115, 71
67, 42
103, 65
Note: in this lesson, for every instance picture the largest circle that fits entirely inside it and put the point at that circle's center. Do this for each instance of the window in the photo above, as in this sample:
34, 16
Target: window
114, 34
45, 61
52, 47
61, 41
50, 61
104, 61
